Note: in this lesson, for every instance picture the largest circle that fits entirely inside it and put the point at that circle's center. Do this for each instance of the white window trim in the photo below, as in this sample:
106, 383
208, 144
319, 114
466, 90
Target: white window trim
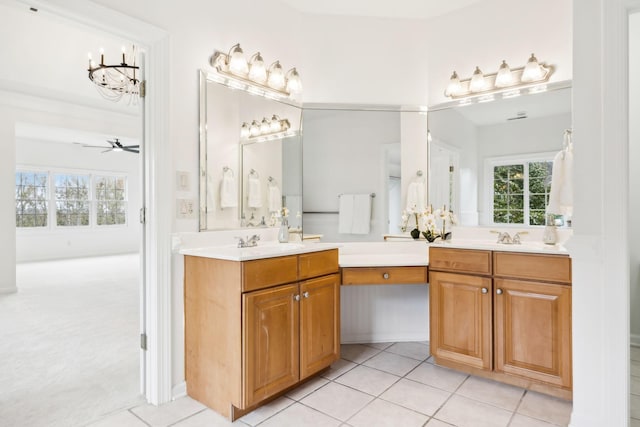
52, 227
490, 163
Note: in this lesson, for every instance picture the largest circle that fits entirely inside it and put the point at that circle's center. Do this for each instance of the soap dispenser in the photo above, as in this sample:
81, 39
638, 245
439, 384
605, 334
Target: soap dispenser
550, 236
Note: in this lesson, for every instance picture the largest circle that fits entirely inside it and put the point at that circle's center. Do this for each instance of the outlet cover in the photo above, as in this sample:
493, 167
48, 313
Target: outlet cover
186, 209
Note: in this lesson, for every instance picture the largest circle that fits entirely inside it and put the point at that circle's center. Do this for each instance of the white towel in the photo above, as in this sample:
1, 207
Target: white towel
416, 196
354, 214
275, 199
254, 199
228, 192
561, 196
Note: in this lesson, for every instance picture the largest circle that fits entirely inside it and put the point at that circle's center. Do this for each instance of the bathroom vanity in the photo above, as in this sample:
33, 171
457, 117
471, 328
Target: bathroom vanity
258, 321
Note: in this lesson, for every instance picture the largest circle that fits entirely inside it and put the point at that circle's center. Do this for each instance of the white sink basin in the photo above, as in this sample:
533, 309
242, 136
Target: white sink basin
271, 249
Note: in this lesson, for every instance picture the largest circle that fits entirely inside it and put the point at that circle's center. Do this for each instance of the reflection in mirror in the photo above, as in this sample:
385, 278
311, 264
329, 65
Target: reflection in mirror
355, 151
492, 162
223, 169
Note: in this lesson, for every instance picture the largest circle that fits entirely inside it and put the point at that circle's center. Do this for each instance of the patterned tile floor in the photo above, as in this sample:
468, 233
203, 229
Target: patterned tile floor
391, 384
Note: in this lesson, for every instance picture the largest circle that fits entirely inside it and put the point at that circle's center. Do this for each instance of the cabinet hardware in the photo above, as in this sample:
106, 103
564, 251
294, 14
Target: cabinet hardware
305, 294
296, 297
484, 290
499, 291
385, 276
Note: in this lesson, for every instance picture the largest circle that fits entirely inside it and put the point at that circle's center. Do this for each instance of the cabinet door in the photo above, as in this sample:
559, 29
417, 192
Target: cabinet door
270, 341
319, 323
460, 317
533, 330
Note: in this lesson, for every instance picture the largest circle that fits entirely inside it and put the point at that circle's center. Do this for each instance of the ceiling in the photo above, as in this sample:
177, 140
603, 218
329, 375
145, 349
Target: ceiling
410, 9
67, 136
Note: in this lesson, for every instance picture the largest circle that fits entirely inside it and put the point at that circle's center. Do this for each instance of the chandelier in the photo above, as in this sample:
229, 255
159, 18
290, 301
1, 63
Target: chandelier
254, 76
116, 80
507, 80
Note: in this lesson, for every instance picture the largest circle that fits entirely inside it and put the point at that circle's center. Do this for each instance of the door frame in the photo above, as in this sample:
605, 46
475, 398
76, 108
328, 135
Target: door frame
156, 282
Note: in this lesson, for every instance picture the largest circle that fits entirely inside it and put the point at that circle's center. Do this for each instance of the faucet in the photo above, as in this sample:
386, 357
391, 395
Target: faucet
248, 242
516, 237
505, 238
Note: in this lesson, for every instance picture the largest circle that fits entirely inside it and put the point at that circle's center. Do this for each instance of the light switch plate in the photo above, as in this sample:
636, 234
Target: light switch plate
183, 181
186, 208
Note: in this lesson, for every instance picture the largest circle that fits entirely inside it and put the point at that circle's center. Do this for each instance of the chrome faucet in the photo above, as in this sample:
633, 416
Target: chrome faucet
248, 242
506, 239
516, 237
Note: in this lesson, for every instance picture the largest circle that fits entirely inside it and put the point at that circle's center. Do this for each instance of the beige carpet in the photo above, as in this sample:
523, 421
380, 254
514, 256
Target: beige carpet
69, 341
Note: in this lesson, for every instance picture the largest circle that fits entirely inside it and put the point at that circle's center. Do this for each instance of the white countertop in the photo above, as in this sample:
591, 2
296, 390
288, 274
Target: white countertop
263, 250
490, 245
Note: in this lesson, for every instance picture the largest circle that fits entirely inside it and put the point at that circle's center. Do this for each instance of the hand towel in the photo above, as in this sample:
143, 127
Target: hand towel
561, 196
254, 199
345, 214
361, 214
275, 199
228, 192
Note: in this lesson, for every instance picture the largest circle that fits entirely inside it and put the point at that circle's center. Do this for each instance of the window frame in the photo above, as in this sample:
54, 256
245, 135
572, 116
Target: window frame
52, 227
491, 162
95, 199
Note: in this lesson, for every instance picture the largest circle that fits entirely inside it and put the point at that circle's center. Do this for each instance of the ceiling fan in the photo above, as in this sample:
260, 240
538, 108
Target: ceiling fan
116, 145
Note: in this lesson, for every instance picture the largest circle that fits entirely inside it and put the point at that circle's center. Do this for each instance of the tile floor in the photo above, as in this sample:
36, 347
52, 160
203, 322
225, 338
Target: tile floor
376, 385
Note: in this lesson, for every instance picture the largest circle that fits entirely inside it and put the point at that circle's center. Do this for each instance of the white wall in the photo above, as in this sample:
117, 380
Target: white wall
634, 175
53, 243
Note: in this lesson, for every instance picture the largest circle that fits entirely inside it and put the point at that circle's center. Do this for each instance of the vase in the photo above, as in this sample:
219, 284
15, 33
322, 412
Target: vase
430, 236
415, 233
283, 233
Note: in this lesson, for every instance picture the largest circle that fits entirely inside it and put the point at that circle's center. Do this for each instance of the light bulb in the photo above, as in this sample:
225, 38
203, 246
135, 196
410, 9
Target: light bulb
275, 124
237, 62
254, 130
294, 84
276, 76
244, 130
532, 70
257, 70
454, 87
477, 83
265, 126
504, 77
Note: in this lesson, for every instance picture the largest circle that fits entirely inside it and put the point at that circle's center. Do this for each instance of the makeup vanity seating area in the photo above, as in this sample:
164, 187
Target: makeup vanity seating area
260, 321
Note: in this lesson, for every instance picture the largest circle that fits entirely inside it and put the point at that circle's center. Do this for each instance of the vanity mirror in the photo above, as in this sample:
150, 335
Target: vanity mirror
240, 133
491, 162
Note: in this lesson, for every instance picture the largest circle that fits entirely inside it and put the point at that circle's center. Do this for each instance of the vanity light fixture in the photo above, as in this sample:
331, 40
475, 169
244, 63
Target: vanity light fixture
116, 80
266, 130
507, 80
253, 76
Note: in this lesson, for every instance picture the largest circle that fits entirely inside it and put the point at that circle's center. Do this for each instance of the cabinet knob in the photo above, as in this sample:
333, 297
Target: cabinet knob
385, 276
296, 297
305, 294
499, 291
484, 290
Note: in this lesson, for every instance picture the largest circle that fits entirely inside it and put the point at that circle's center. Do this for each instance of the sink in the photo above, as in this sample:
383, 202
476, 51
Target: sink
270, 249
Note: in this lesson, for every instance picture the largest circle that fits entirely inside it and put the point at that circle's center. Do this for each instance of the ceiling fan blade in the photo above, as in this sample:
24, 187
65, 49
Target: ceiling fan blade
131, 150
107, 150
131, 146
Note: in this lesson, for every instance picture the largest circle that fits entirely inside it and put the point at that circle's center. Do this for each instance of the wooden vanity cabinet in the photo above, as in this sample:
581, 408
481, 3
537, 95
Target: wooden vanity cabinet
248, 336
503, 315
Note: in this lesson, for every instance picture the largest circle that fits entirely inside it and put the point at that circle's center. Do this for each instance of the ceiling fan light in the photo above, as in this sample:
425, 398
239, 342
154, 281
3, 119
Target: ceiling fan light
532, 71
237, 62
454, 87
504, 77
276, 77
257, 69
477, 83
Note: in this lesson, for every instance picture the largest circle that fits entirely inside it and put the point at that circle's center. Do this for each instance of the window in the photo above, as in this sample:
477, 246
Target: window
521, 191
32, 197
111, 202
72, 200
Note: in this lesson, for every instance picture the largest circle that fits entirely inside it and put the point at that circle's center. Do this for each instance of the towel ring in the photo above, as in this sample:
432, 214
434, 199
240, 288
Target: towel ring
253, 172
228, 169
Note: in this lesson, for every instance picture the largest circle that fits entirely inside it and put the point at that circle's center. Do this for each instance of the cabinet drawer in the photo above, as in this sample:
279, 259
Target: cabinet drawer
460, 260
316, 264
549, 268
262, 273
383, 275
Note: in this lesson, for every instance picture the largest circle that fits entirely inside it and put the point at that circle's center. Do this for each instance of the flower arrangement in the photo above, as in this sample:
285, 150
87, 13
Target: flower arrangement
426, 223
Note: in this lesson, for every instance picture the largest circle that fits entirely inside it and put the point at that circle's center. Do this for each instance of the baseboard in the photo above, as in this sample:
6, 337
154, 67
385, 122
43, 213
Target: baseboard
179, 390
634, 340
371, 338
8, 290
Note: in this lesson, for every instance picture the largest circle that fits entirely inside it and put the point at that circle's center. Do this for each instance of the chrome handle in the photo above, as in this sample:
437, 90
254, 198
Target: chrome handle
305, 294
499, 291
296, 297
385, 276
484, 290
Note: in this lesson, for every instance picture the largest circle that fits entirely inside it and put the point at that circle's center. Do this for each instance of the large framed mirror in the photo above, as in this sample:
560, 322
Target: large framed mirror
264, 156
491, 162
